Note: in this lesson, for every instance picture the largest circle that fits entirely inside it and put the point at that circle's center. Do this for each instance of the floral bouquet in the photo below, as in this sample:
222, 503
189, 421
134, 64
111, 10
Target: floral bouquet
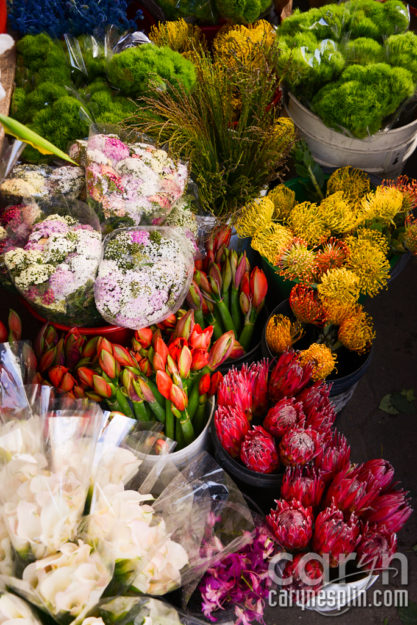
144, 275
55, 269
130, 184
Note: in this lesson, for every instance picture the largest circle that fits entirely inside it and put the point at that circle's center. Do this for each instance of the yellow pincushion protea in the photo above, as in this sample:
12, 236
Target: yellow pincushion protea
338, 213
283, 135
353, 183
410, 235
283, 199
356, 332
385, 204
321, 359
254, 216
340, 285
374, 236
243, 46
307, 223
335, 311
177, 35
281, 333
297, 262
271, 241
369, 263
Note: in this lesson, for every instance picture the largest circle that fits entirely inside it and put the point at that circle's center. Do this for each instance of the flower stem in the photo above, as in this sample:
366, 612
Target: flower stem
235, 310
199, 417
141, 411
225, 315
169, 421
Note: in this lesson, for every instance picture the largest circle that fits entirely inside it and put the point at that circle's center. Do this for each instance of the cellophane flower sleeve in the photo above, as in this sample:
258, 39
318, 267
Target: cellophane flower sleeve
144, 275
56, 267
142, 611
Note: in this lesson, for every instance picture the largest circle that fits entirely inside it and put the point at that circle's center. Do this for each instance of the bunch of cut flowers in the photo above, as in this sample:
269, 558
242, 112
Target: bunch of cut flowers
354, 228
225, 292
80, 524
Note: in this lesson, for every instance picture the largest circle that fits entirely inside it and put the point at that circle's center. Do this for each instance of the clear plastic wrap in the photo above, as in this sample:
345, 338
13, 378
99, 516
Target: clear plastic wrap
131, 184
144, 275
55, 269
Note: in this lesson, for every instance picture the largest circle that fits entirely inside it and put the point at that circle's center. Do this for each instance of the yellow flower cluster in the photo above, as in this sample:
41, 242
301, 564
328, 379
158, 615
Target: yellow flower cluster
340, 285
284, 201
255, 216
368, 261
356, 332
384, 204
271, 241
283, 135
410, 235
281, 333
338, 213
307, 223
239, 46
177, 35
297, 262
353, 183
321, 358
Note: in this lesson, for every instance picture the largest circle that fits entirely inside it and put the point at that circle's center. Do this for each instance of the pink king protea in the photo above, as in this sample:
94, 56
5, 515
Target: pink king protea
231, 427
259, 372
303, 484
391, 510
350, 493
334, 457
299, 446
288, 377
258, 451
334, 536
376, 548
235, 390
319, 410
306, 575
377, 470
292, 524
286, 414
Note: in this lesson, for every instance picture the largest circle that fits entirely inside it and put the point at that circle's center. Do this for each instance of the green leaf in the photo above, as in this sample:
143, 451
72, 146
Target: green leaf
408, 615
399, 403
386, 405
414, 547
25, 134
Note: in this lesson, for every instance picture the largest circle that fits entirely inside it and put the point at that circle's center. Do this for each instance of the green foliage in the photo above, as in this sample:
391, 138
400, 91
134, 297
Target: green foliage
362, 97
60, 75
377, 20
43, 96
135, 70
40, 51
62, 122
402, 51
363, 51
17, 105
246, 11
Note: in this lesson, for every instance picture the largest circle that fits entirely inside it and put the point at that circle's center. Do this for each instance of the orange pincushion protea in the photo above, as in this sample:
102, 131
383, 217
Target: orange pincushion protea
335, 311
321, 358
356, 332
332, 255
297, 262
410, 235
281, 333
306, 305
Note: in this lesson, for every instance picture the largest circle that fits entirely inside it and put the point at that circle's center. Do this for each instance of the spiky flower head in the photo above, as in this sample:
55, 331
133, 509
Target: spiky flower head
297, 262
354, 183
271, 241
286, 414
374, 236
340, 285
254, 216
319, 410
299, 446
231, 426
243, 46
281, 333
304, 484
288, 377
407, 187
305, 576
258, 451
335, 457
306, 305
338, 213
307, 223
321, 359
376, 549
334, 536
284, 200
177, 35
384, 204
283, 135
369, 263
410, 234
292, 524
356, 332
390, 510
335, 312
332, 255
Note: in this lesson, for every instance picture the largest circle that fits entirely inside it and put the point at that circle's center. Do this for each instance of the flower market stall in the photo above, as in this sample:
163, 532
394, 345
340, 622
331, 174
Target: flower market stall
207, 398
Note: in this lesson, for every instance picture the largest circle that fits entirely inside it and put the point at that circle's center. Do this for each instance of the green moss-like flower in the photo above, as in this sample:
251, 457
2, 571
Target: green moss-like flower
41, 51
18, 105
363, 51
62, 122
246, 11
43, 96
402, 51
362, 97
134, 70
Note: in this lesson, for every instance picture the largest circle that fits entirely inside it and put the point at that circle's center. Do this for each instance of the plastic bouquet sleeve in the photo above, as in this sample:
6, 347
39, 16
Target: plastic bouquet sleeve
134, 610
131, 184
144, 276
55, 269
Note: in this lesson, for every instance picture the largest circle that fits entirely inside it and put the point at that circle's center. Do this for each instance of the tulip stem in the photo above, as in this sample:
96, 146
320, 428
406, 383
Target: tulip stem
199, 318
217, 323
178, 435
158, 411
187, 428
199, 418
141, 411
245, 337
194, 395
225, 315
235, 310
169, 421
159, 398
123, 403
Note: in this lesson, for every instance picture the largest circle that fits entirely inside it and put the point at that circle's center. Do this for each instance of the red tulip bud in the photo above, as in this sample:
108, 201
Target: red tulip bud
200, 339
85, 375
237, 351
123, 357
204, 384
245, 304
101, 387
245, 283
240, 271
144, 337
67, 383
60, 355
164, 383
90, 348
221, 350
185, 325
15, 326
194, 297
258, 287
47, 360
107, 363
178, 397
184, 362
145, 366
93, 396
104, 345
56, 374
127, 380
144, 390
200, 359
161, 354
73, 346
171, 366
216, 378
78, 392
202, 280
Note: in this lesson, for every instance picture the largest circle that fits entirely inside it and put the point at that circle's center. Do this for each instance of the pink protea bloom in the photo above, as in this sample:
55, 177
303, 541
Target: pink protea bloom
258, 451
319, 410
378, 470
376, 548
259, 373
306, 574
391, 510
334, 457
303, 484
231, 427
292, 524
234, 390
334, 536
286, 414
299, 446
350, 493
288, 377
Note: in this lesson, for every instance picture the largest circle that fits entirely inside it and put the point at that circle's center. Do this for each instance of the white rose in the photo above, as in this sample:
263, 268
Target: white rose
6, 554
163, 572
115, 465
21, 437
71, 580
13, 608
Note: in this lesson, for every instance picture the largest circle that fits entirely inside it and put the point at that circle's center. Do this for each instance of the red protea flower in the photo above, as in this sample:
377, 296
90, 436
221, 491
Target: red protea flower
378, 470
390, 509
306, 305
335, 536
258, 451
334, 457
292, 524
235, 390
286, 414
304, 484
376, 548
231, 427
288, 377
349, 493
259, 372
319, 410
299, 446
306, 574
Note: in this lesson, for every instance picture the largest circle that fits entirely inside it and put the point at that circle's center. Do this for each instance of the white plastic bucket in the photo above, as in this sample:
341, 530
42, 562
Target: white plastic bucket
184, 456
335, 597
384, 153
